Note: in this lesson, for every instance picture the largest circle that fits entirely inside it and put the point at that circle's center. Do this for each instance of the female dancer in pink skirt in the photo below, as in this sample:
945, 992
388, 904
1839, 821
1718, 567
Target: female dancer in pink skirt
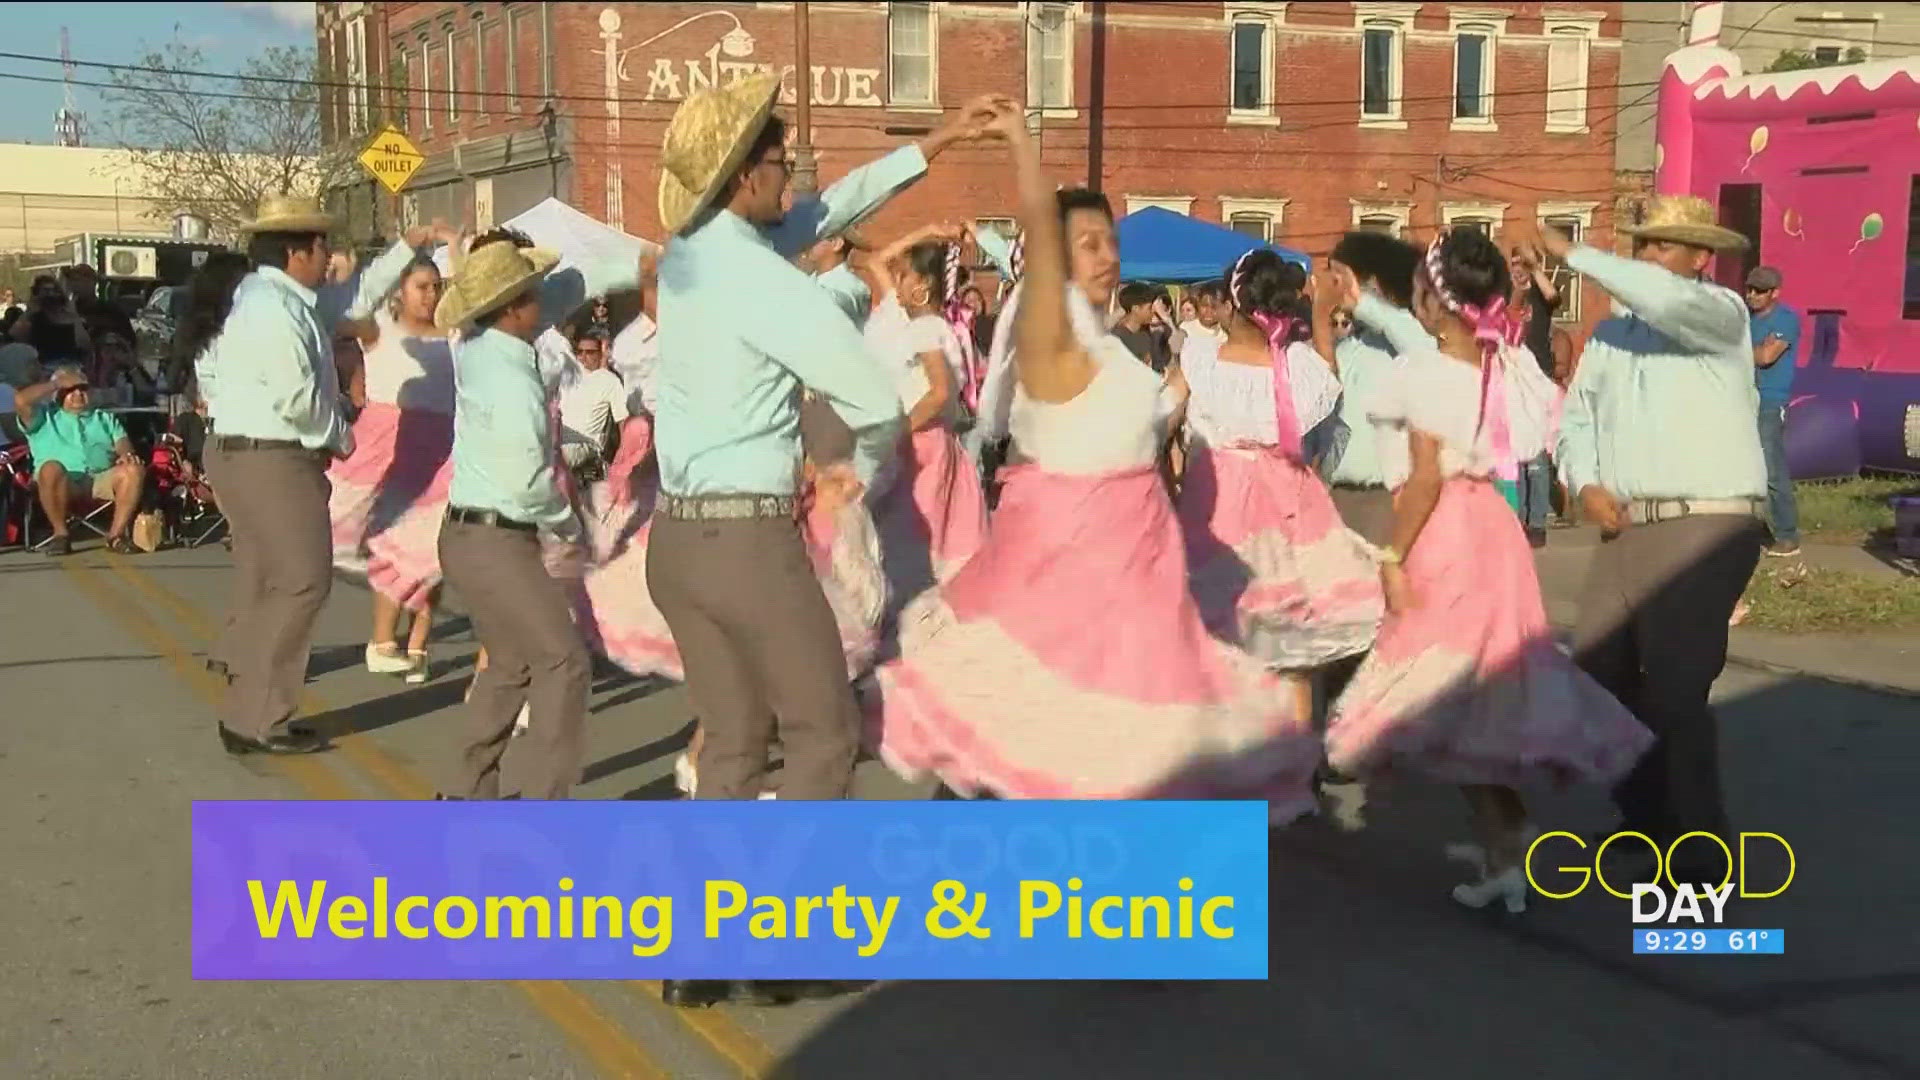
928, 504
389, 496
1465, 683
1274, 569
1067, 659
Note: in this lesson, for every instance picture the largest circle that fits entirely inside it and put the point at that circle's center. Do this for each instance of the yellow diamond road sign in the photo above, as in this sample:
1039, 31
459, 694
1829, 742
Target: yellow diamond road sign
391, 158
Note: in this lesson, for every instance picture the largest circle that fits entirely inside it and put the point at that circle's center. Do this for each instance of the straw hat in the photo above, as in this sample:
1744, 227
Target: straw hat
706, 141
290, 213
488, 278
1686, 219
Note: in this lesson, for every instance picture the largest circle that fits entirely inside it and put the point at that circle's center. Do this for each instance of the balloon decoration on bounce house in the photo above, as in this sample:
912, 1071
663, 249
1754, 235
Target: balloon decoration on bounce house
1821, 170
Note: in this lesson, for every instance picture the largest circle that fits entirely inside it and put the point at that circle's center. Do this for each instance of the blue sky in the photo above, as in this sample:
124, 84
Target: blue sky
226, 34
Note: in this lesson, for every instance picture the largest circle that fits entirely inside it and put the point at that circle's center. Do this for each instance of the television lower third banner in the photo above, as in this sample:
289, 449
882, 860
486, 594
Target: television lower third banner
730, 890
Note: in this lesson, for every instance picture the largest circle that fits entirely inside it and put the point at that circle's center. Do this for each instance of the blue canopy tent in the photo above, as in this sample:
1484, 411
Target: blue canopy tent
1160, 245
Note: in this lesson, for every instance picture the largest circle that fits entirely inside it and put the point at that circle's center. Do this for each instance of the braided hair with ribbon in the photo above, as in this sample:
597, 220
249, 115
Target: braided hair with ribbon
1449, 260
1266, 289
961, 318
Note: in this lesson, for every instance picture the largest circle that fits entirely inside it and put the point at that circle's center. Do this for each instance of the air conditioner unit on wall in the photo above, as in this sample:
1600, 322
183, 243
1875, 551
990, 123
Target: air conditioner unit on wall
124, 261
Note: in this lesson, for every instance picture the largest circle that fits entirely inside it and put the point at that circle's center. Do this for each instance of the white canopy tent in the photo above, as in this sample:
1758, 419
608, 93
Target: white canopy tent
581, 240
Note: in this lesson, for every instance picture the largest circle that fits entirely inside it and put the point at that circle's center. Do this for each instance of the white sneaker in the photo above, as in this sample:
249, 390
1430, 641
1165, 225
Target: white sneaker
769, 795
684, 777
418, 669
1508, 886
387, 660
1344, 802
520, 722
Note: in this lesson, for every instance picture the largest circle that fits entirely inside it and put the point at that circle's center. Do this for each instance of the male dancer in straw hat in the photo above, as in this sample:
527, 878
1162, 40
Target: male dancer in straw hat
1659, 443
503, 495
277, 421
742, 330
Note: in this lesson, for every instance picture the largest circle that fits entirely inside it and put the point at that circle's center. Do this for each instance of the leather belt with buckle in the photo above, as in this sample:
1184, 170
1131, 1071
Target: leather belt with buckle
726, 507
468, 516
242, 442
1654, 511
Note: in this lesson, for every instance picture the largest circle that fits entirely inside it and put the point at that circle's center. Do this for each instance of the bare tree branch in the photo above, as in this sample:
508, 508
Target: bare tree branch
216, 156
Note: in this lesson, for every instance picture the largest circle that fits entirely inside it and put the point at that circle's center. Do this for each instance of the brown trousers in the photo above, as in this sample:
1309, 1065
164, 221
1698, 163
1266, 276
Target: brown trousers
1652, 629
1367, 511
275, 502
761, 652
535, 657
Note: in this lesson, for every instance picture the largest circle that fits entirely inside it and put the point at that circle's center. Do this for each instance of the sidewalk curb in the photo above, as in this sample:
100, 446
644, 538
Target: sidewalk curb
1754, 663
1843, 680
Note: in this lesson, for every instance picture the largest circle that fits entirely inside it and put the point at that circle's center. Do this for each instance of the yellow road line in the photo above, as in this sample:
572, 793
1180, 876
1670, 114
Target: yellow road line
358, 749
612, 1050
728, 1039
310, 774
738, 1046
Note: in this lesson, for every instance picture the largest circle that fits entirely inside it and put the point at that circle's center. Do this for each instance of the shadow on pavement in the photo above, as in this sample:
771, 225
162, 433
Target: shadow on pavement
1375, 973
640, 755
395, 708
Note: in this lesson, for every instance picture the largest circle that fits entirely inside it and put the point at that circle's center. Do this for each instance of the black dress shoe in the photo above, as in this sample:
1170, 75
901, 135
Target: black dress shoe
290, 743
788, 991
697, 993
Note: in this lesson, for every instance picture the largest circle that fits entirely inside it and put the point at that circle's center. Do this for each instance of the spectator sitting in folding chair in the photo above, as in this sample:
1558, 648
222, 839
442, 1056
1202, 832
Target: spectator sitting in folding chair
80, 453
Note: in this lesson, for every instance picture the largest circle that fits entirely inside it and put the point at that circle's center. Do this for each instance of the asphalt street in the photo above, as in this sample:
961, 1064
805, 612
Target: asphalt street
107, 735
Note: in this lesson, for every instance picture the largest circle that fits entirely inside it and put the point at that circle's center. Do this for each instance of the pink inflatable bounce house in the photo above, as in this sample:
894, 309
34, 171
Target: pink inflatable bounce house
1821, 170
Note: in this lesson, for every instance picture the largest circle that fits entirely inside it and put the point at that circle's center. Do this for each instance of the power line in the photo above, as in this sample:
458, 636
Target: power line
1284, 129
449, 92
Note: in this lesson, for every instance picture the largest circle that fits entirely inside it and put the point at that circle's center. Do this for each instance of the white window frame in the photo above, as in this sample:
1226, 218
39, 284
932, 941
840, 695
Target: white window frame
1036, 60
1579, 214
427, 104
1586, 29
1269, 17
480, 28
1452, 214
453, 76
931, 103
1397, 18
1400, 212
357, 74
1179, 204
1274, 210
1491, 25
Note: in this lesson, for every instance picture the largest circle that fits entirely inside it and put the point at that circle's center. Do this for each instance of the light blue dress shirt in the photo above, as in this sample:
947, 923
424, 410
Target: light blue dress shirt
279, 381
997, 250
503, 435
1369, 360
742, 330
1663, 400
850, 291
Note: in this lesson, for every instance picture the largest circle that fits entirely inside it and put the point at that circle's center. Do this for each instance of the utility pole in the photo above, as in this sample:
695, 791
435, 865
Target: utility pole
1097, 103
806, 179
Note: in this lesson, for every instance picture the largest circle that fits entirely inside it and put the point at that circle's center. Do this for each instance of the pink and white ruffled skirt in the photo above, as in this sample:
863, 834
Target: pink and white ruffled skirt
389, 498
1067, 660
1467, 686
1273, 568
933, 516
624, 625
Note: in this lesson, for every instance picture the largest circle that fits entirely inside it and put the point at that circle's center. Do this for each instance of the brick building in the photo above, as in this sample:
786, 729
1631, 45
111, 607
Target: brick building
1294, 121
